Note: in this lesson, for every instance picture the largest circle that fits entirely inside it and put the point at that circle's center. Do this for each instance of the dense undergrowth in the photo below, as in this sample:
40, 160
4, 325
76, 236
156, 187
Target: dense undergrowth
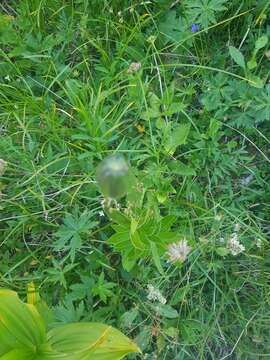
181, 89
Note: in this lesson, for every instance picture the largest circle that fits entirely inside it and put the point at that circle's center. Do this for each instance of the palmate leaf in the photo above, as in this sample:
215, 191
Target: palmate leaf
174, 28
23, 336
204, 11
70, 233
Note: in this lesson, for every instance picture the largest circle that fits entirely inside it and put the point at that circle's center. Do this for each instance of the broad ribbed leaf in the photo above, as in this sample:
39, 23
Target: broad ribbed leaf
19, 354
87, 341
21, 326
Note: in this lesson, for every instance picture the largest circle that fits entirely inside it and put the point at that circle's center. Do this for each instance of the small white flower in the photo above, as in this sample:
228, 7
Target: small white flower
155, 295
234, 245
218, 217
3, 165
101, 213
178, 251
259, 243
246, 180
237, 227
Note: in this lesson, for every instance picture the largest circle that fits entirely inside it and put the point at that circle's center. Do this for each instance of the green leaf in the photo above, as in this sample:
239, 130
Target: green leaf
128, 263
204, 12
22, 336
213, 128
222, 251
179, 168
21, 326
179, 295
20, 354
173, 28
252, 63
87, 341
119, 218
71, 232
133, 226
128, 318
237, 57
166, 311
156, 257
136, 241
177, 137
256, 81
33, 298
261, 42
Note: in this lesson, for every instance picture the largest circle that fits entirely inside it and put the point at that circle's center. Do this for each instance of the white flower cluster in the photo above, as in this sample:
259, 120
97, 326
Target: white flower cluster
155, 295
234, 245
178, 251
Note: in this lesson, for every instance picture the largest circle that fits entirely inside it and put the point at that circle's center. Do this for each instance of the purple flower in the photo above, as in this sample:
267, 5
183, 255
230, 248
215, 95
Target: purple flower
195, 28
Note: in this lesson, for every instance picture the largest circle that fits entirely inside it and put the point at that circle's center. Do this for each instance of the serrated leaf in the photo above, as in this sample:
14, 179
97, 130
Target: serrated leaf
204, 12
237, 56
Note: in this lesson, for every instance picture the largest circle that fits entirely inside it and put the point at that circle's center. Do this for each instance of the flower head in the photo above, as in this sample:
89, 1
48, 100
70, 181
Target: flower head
195, 28
155, 295
134, 67
178, 251
258, 243
234, 245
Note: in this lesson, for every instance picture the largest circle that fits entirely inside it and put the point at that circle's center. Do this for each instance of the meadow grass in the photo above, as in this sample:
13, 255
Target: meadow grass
192, 119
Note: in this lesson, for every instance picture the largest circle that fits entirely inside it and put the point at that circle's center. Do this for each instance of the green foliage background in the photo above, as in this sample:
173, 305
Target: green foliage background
193, 122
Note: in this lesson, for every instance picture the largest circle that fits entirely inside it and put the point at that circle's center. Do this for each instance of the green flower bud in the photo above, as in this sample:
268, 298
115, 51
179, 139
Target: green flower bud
113, 177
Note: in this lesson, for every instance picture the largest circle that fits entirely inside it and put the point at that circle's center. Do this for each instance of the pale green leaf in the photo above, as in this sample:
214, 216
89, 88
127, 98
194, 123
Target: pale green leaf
21, 326
177, 137
166, 311
261, 42
222, 251
237, 56
156, 257
87, 341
